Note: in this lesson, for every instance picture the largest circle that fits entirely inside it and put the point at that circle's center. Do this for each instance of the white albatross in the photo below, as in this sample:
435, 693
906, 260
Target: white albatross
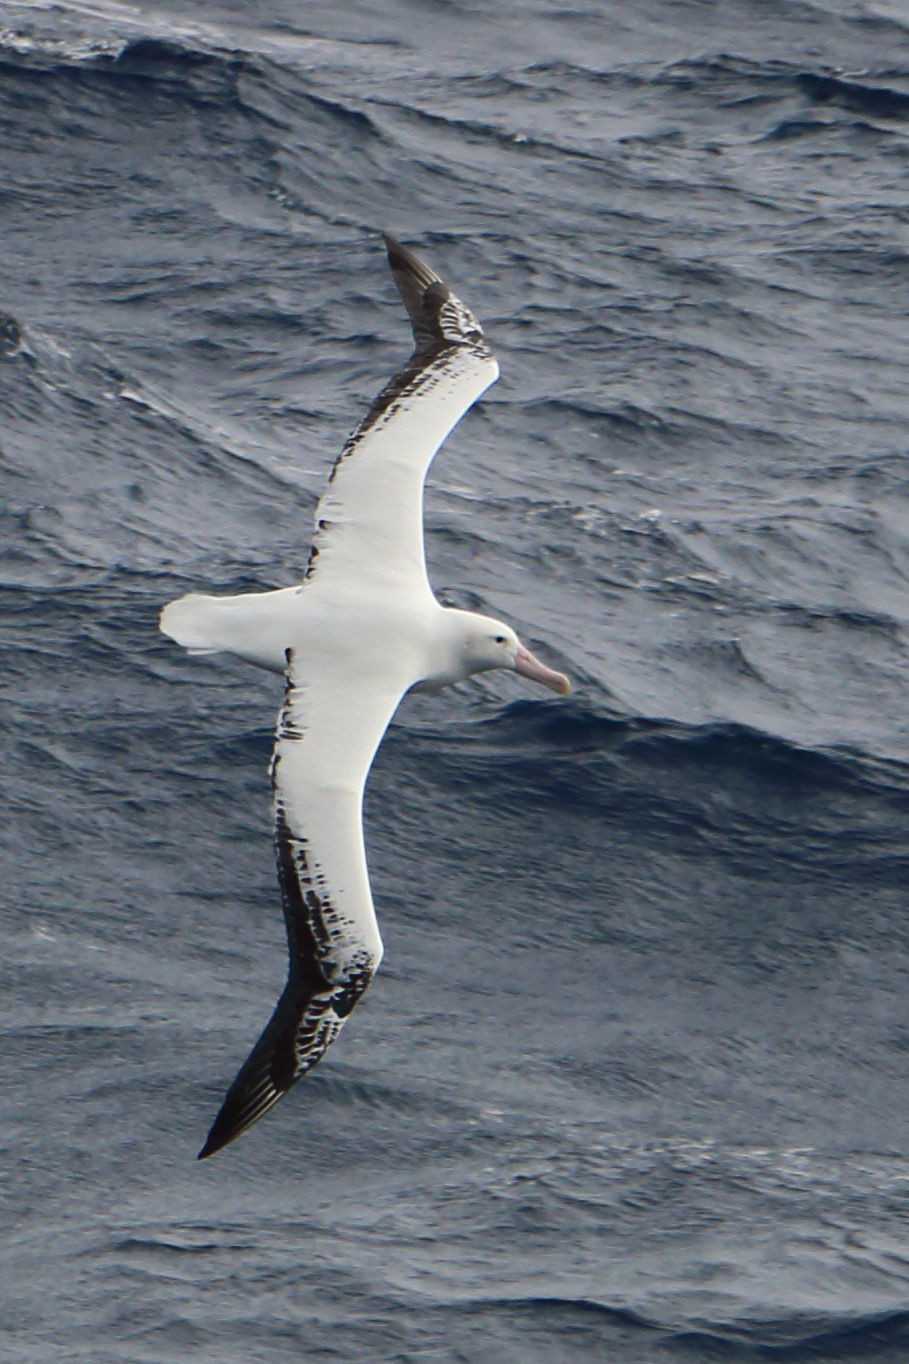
360, 630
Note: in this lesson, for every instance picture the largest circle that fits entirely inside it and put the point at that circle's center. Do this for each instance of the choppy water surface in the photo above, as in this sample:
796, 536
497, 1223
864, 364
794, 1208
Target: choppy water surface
631, 1083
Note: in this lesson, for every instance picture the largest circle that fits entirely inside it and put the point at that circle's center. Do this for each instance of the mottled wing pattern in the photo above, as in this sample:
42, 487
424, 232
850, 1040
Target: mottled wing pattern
324, 745
369, 523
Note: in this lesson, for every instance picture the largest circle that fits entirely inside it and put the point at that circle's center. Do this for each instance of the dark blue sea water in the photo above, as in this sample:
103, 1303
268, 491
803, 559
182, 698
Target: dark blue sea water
631, 1084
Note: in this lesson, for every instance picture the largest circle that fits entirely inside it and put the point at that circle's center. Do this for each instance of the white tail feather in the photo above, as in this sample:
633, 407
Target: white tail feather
254, 626
194, 622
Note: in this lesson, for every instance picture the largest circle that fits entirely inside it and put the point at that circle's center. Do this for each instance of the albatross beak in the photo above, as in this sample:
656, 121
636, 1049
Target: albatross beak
531, 667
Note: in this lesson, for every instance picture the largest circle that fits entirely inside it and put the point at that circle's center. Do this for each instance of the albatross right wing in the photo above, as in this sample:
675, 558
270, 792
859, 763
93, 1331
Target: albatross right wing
328, 731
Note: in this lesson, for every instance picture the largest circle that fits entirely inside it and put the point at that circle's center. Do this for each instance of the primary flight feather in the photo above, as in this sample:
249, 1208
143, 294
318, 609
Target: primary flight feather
360, 630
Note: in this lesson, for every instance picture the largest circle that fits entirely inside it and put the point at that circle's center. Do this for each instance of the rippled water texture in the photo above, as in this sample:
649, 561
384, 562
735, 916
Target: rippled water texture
631, 1082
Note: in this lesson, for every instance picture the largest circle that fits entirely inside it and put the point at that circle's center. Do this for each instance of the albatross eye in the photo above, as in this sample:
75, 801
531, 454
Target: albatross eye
500, 639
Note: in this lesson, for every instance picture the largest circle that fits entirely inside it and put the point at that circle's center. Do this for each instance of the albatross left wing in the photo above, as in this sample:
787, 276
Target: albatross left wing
328, 731
369, 523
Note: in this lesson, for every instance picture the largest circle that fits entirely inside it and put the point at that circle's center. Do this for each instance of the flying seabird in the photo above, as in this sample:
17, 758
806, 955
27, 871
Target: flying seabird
360, 630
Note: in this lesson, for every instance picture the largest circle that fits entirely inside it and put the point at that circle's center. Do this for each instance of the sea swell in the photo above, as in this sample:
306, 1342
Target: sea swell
722, 791
630, 1083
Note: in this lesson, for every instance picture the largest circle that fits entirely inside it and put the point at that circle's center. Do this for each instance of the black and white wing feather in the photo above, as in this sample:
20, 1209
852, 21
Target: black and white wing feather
327, 734
369, 523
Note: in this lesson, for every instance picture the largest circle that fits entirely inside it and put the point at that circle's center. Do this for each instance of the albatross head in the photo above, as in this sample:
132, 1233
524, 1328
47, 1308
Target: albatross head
484, 643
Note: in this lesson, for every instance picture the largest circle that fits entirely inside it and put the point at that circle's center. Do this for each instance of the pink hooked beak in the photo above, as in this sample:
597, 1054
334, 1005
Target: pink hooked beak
529, 666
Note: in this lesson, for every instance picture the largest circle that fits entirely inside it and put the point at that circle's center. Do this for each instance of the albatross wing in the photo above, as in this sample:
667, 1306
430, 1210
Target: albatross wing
369, 523
328, 731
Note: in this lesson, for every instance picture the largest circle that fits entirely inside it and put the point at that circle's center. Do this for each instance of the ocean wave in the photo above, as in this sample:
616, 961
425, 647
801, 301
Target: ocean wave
11, 338
828, 1338
720, 790
832, 1338
799, 1338
180, 69
879, 101
21, 48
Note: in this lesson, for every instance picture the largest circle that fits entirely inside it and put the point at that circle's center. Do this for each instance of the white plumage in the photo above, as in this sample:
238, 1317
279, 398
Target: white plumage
361, 629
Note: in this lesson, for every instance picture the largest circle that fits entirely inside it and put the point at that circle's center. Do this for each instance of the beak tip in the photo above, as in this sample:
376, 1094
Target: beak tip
531, 667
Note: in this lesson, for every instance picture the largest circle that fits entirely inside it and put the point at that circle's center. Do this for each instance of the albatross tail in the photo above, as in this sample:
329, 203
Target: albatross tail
257, 626
195, 622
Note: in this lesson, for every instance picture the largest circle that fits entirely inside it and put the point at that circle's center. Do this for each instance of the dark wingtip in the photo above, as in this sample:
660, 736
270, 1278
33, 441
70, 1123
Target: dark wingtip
422, 292
407, 264
217, 1139
399, 257
396, 253
211, 1148
248, 1099
266, 1074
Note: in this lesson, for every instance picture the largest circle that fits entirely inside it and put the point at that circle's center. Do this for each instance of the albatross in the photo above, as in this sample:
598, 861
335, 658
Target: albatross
360, 631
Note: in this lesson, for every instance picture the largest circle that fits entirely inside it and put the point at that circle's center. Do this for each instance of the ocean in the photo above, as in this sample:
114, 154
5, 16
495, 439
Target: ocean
630, 1085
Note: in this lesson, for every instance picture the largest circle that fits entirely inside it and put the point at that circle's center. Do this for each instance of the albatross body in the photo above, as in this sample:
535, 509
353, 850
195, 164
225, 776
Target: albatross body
360, 630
